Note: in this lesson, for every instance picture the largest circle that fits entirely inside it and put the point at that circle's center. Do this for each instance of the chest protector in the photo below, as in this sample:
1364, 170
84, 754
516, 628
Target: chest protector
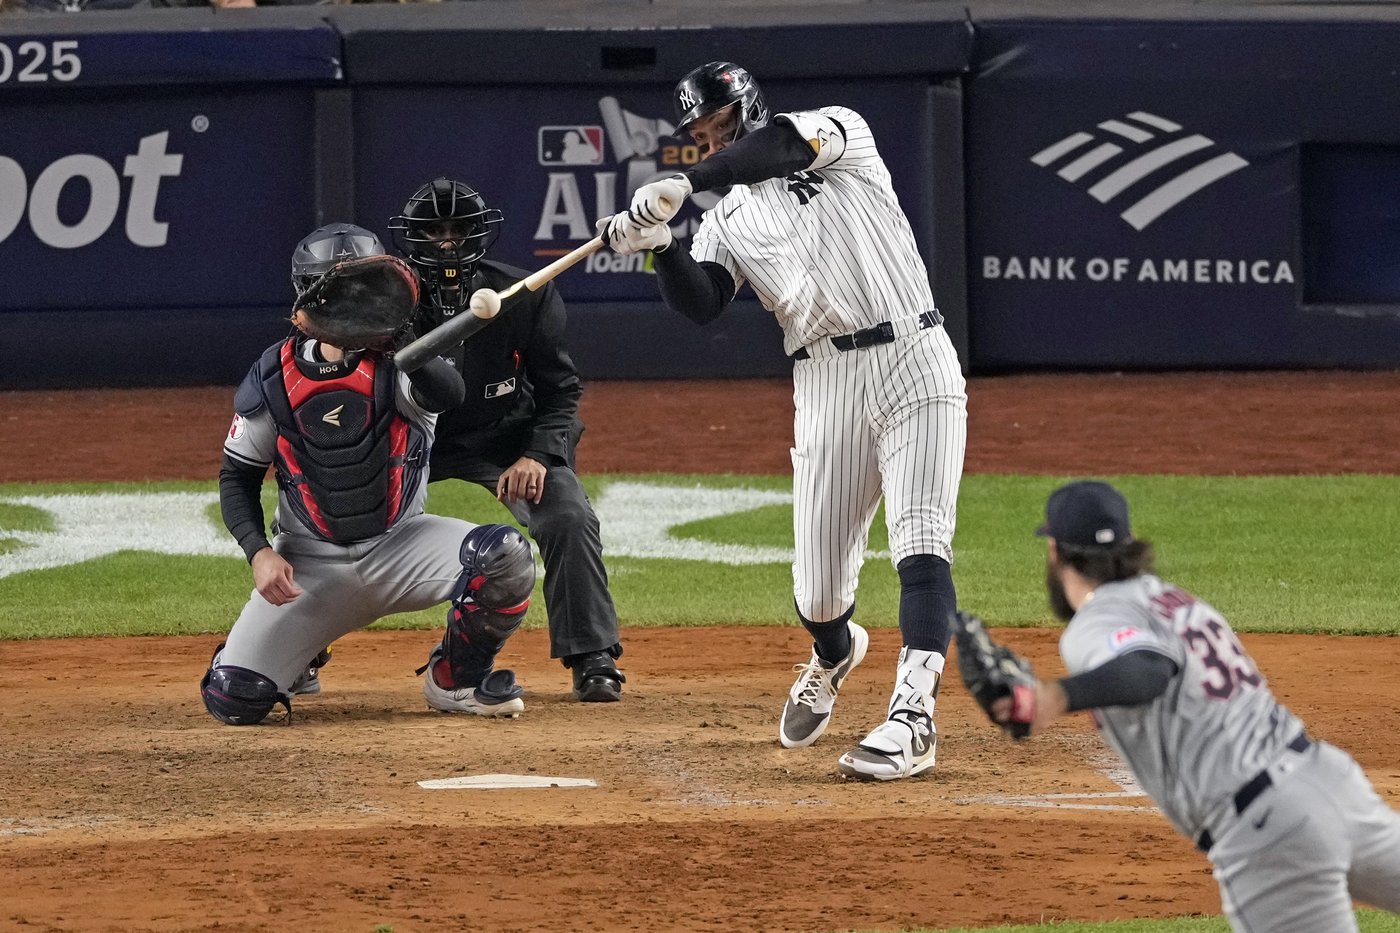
347, 461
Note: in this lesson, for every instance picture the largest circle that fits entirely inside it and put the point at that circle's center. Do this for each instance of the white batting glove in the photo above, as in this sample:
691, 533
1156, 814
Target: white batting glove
625, 235
659, 201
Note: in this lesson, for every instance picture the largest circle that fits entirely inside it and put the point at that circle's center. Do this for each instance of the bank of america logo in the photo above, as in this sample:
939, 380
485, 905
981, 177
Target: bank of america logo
1142, 147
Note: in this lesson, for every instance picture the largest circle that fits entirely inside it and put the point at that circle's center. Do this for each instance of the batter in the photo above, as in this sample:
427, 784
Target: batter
811, 223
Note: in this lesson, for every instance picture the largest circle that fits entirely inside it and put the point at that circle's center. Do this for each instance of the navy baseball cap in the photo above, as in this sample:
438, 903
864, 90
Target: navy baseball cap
1087, 513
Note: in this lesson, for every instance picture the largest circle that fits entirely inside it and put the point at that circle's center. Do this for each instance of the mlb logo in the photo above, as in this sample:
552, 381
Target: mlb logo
498, 389
571, 145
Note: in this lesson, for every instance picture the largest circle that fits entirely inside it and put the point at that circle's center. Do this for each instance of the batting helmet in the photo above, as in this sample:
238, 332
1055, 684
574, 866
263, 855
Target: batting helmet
321, 249
444, 231
716, 85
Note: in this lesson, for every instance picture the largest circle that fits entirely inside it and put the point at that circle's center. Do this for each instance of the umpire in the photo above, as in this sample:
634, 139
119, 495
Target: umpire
517, 430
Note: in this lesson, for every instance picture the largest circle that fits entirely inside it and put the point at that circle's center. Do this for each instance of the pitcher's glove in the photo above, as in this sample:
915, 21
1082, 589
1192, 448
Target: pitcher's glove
364, 303
992, 671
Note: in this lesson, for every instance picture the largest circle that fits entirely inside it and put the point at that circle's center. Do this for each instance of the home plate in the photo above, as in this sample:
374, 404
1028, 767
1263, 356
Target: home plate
495, 781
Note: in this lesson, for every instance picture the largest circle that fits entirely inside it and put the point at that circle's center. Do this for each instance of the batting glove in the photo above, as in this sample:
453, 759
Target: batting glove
625, 235
659, 201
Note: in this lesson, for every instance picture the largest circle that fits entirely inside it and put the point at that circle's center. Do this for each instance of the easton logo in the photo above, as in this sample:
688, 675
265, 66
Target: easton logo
804, 185
1131, 165
333, 416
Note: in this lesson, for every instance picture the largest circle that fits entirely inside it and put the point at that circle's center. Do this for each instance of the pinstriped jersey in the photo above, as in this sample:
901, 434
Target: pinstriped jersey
827, 250
1215, 727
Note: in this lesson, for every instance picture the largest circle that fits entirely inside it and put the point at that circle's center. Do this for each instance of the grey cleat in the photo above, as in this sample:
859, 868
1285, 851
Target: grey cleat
809, 703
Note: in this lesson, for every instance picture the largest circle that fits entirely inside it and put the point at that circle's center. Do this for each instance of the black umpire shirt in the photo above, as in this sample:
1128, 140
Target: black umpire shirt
522, 387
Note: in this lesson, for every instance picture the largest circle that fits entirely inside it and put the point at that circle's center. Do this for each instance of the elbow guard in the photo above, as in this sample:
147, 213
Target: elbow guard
437, 385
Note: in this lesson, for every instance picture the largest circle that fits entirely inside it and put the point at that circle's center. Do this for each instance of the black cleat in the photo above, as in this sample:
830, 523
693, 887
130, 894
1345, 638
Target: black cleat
596, 677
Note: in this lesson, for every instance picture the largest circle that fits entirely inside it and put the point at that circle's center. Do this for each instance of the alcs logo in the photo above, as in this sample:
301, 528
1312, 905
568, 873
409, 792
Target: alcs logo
146, 167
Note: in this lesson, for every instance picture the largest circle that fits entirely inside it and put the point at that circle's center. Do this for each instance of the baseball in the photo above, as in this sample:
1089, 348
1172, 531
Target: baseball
485, 303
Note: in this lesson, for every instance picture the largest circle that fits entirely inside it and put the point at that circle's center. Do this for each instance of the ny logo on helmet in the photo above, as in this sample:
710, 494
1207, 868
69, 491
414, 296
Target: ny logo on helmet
687, 98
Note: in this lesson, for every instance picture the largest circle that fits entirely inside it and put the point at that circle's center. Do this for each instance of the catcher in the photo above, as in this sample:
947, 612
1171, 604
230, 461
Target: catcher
348, 435
1291, 824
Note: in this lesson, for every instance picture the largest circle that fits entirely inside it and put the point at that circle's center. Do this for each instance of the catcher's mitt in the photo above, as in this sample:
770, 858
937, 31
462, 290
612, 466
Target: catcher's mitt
992, 671
359, 304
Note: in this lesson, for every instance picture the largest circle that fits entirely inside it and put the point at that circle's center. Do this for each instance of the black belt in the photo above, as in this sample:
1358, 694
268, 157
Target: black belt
1252, 789
870, 337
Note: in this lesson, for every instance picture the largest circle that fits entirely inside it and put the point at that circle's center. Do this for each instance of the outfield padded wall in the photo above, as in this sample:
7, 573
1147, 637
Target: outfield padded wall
1243, 220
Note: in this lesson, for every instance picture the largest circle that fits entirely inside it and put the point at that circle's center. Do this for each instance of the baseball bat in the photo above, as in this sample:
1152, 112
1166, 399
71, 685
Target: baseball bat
450, 333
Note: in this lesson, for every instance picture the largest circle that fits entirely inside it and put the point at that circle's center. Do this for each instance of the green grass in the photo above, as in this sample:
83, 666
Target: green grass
1370, 921
1284, 554
1290, 554
23, 517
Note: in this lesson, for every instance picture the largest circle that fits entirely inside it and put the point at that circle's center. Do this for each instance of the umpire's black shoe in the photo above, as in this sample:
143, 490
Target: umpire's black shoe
596, 677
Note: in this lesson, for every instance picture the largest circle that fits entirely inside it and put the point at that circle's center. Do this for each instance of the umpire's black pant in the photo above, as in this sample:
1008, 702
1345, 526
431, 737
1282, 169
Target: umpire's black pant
582, 616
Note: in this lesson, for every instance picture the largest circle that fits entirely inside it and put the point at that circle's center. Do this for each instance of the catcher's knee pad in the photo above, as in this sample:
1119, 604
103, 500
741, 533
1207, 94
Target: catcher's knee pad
238, 696
489, 603
498, 569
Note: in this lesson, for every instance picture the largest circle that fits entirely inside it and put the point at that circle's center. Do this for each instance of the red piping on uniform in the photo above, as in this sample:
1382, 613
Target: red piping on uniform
398, 444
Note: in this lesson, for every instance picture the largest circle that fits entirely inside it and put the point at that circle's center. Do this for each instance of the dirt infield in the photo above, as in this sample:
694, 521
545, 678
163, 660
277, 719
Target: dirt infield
125, 808
1211, 423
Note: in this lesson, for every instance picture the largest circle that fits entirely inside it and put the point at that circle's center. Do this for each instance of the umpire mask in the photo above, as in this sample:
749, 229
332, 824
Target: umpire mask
444, 231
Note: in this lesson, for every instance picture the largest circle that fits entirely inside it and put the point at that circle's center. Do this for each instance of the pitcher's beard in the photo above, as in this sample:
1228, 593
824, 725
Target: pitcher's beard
1055, 589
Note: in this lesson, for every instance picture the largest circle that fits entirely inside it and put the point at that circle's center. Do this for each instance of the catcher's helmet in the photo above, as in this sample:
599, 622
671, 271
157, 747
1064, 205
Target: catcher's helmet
444, 231
716, 85
321, 249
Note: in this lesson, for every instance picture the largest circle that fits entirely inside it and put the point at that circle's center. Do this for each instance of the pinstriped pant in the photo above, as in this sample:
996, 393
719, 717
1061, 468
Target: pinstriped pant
886, 420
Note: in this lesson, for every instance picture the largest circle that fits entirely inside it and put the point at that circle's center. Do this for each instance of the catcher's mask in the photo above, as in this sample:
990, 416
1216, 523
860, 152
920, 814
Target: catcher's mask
320, 250
444, 231
715, 86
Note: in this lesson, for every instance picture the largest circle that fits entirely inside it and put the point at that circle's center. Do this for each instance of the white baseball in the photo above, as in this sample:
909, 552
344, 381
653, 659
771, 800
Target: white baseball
485, 303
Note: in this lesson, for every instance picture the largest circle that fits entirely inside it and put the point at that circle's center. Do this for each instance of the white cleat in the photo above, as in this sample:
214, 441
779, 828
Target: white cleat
902, 746
497, 695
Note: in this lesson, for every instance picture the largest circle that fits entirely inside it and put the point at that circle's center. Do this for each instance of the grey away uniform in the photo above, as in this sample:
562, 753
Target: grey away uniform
348, 434
413, 565
1291, 824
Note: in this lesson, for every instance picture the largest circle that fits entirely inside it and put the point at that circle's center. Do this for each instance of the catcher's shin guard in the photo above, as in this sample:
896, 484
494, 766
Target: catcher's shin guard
493, 593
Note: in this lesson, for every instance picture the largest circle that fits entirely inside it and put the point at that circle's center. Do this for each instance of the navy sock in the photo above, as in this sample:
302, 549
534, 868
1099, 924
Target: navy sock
832, 639
927, 602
